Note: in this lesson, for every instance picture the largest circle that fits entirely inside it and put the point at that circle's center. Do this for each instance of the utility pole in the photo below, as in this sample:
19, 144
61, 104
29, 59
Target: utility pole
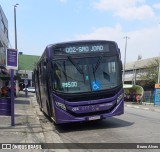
126, 37
134, 74
159, 72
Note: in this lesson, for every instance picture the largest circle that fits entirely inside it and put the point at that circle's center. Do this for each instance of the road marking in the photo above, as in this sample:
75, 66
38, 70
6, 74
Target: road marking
129, 106
139, 107
146, 108
157, 110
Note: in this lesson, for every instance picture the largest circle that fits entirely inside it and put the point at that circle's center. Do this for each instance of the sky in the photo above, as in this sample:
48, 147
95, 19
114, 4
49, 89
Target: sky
40, 23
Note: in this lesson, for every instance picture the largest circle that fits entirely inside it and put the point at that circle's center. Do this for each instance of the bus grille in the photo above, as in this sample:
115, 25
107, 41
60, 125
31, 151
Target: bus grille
89, 97
91, 113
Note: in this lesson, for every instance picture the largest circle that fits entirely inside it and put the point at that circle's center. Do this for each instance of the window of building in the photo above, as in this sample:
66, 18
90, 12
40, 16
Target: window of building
23, 75
6, 32
2, 26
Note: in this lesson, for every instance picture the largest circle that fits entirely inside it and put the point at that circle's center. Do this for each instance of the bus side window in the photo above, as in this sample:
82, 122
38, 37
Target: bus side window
111, 67
44, 74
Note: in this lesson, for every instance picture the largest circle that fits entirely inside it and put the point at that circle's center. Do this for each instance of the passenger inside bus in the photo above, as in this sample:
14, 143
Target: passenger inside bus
57, 78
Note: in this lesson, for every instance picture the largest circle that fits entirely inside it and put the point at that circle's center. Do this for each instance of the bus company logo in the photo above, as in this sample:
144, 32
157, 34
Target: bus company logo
6, 146
85, 108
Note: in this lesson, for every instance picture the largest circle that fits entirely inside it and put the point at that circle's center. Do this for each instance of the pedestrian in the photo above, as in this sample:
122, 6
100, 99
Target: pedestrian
26, 92
138, 98
4, 91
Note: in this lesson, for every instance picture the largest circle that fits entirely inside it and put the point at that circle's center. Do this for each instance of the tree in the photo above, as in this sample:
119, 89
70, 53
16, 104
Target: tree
149, 76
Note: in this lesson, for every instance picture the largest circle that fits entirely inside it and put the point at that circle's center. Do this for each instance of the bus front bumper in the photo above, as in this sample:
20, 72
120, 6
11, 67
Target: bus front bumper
63, 117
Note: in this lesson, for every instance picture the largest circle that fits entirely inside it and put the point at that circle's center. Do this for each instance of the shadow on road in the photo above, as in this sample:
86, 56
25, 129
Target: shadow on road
22, 94
92, 125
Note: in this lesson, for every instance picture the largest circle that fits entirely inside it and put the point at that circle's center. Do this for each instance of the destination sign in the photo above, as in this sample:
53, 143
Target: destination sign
82, 49
77, 49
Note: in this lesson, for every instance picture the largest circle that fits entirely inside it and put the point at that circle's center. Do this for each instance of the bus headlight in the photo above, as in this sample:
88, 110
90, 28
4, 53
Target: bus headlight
61, 105
119, 98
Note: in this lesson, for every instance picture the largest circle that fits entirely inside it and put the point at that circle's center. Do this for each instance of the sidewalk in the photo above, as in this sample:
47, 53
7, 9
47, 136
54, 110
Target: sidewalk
27, 127
31, 126
143, 105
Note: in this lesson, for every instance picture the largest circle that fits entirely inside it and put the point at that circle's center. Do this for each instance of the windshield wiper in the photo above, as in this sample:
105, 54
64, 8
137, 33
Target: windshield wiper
93, 72
75, 64
97, 64
105, 75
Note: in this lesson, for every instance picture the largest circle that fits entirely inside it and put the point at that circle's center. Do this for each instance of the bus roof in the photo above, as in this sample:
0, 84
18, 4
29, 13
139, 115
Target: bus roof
76, 42
80, 41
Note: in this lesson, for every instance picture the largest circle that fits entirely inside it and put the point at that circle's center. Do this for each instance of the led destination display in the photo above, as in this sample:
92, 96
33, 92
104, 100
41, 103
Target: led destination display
80, 48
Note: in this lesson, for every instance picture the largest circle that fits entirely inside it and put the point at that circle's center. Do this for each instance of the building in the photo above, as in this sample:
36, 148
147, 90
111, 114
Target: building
134, 70
26, 64
4, 40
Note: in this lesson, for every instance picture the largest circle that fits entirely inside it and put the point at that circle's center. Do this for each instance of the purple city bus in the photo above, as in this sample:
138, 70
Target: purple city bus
80, 81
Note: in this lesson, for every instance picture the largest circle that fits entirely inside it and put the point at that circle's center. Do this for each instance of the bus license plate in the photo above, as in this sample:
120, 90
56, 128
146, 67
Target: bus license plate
94, 117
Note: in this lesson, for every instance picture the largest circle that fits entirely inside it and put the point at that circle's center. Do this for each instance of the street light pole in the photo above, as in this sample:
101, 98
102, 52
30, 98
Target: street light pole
15, 27
126, 37
12, 72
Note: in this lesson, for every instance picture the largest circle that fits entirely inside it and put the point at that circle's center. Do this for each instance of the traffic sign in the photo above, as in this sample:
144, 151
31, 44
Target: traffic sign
157, 97
157, 85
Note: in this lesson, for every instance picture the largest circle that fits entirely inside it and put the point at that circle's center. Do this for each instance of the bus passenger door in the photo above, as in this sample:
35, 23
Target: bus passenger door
49, 91
43, 86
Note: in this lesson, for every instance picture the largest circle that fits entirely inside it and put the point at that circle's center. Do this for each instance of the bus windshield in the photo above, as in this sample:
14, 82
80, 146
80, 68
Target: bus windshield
78, 75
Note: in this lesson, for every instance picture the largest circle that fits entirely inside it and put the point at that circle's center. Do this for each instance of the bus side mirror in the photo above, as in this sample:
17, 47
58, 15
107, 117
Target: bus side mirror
119, 53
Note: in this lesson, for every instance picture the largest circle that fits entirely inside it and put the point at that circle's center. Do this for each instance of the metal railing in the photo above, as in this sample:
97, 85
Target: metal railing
148, 97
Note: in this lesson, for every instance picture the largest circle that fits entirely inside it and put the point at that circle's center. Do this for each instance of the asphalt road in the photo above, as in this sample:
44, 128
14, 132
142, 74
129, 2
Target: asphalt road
135, 126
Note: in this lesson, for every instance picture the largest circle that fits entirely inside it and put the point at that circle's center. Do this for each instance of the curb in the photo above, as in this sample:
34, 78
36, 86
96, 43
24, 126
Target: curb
143, 107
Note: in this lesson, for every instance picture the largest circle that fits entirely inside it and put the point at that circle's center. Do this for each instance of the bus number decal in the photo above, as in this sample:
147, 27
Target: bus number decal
70, 50
69, 84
